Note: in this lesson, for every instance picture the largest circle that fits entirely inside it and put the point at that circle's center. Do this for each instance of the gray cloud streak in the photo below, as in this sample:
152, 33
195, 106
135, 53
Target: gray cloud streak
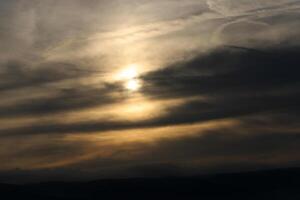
239, 82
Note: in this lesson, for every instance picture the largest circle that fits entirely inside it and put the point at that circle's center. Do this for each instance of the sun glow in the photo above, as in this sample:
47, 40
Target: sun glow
130, 78
129, 73
133, 85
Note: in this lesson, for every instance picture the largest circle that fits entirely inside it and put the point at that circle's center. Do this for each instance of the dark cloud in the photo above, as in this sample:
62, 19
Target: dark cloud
232, 142
58, 59
235, 83
63, 101
190, 112
235, 148
19, 75
241, 146
233, 70
57, 96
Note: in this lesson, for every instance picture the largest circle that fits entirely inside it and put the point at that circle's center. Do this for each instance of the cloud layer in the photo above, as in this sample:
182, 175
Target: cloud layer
219, 78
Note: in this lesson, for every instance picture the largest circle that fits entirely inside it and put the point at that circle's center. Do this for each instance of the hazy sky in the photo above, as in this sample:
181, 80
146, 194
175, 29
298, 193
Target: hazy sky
123, 88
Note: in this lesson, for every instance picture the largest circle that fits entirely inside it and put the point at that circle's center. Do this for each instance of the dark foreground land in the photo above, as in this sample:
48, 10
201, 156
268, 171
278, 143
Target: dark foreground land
272, 184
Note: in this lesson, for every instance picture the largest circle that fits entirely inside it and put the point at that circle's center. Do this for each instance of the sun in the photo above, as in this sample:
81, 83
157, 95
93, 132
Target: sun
133, 85
130, 77
129, 73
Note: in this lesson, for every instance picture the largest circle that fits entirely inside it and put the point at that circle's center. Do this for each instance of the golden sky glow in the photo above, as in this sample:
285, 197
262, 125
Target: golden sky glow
119, 85
130, 77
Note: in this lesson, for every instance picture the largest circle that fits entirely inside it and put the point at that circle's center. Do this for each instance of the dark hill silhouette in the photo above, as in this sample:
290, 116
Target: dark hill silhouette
270, 184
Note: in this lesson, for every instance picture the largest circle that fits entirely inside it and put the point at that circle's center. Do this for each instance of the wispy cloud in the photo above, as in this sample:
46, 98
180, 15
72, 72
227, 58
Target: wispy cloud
199, 63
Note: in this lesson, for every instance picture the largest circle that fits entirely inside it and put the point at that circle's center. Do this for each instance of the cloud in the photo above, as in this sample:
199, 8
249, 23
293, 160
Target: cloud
217, 60
239, 146
233, 70
52, 88
234, 81
62, 102
237, 7
19, 75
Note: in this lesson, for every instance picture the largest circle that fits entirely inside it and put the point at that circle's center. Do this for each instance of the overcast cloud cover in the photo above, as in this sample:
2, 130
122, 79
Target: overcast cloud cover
220, 87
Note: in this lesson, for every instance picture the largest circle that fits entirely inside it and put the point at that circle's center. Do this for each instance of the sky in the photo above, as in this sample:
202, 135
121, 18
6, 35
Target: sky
93, 89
